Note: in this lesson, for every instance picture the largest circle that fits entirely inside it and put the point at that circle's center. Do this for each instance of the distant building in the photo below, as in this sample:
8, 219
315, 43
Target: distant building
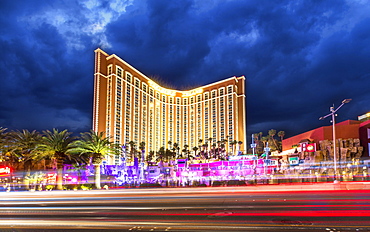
129, 106
344, 130
349, 129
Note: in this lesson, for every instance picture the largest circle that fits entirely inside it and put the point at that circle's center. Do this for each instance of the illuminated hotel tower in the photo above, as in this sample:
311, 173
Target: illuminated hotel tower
128, 106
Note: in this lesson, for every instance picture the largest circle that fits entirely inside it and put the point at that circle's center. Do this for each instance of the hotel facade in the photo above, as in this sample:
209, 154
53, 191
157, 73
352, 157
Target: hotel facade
129, 106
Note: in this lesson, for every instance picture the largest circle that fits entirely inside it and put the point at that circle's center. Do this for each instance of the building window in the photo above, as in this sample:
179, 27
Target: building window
128, 110
109, 102
119, 71
128, 77
206, 96
118, 110
144, 87
164, 122
229, 89
222, 91
109, 70
137, 83
213, 93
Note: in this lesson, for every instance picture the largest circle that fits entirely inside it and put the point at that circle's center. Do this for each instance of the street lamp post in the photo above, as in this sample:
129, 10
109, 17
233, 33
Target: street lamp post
332, 114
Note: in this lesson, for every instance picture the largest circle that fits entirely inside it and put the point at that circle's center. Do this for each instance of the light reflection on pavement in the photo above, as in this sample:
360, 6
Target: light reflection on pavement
186, 209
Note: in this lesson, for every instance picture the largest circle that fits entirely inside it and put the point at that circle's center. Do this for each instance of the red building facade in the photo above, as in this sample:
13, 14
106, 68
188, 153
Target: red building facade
344, 130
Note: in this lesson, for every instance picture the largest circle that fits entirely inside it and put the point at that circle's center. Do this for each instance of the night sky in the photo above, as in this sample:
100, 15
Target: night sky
298, 57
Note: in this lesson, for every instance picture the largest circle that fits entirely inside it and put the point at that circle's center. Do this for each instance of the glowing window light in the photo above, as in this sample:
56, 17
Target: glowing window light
161, 89
192, 92
172, 93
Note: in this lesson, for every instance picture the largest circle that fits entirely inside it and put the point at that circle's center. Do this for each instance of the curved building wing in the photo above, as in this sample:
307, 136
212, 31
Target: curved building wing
129, 106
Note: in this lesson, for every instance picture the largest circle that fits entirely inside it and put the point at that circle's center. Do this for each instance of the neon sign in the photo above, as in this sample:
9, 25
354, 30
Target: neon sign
4, 171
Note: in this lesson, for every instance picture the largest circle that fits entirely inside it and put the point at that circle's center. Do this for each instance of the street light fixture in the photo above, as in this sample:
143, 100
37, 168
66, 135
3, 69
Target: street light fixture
332, 114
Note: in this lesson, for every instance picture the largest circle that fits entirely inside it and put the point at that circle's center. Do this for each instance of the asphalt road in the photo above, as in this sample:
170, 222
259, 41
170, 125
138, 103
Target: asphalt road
186, 209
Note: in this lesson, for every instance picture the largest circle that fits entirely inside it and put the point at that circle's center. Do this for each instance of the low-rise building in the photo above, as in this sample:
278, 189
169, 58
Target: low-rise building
314, 149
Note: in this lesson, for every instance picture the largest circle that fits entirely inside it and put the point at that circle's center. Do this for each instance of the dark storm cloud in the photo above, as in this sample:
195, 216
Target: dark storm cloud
41, 79
280, 46
162, 39
299, 57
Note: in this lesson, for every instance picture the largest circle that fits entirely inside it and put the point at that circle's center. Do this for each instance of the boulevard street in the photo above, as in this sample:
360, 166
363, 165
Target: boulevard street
187, 209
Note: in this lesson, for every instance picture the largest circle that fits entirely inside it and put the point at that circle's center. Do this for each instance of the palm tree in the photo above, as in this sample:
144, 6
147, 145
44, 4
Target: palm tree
200, 142
150, 156
233, 144
260, 135
3, 136
24, 146
183, 151
56, 145
161, 155
218, 147
169, 144
281, 134
186, 147
239, 145
205, 149
195, 149
210, 140
132, 149
178, 151
6, 147
170, 154
175, 148
264, 141
222, 146
97, 146
272, 133
142, 149
213, 149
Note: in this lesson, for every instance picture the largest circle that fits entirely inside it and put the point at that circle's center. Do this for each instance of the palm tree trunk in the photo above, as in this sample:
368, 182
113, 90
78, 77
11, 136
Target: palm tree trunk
97, 176
27, 172
277, 148
60, 178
